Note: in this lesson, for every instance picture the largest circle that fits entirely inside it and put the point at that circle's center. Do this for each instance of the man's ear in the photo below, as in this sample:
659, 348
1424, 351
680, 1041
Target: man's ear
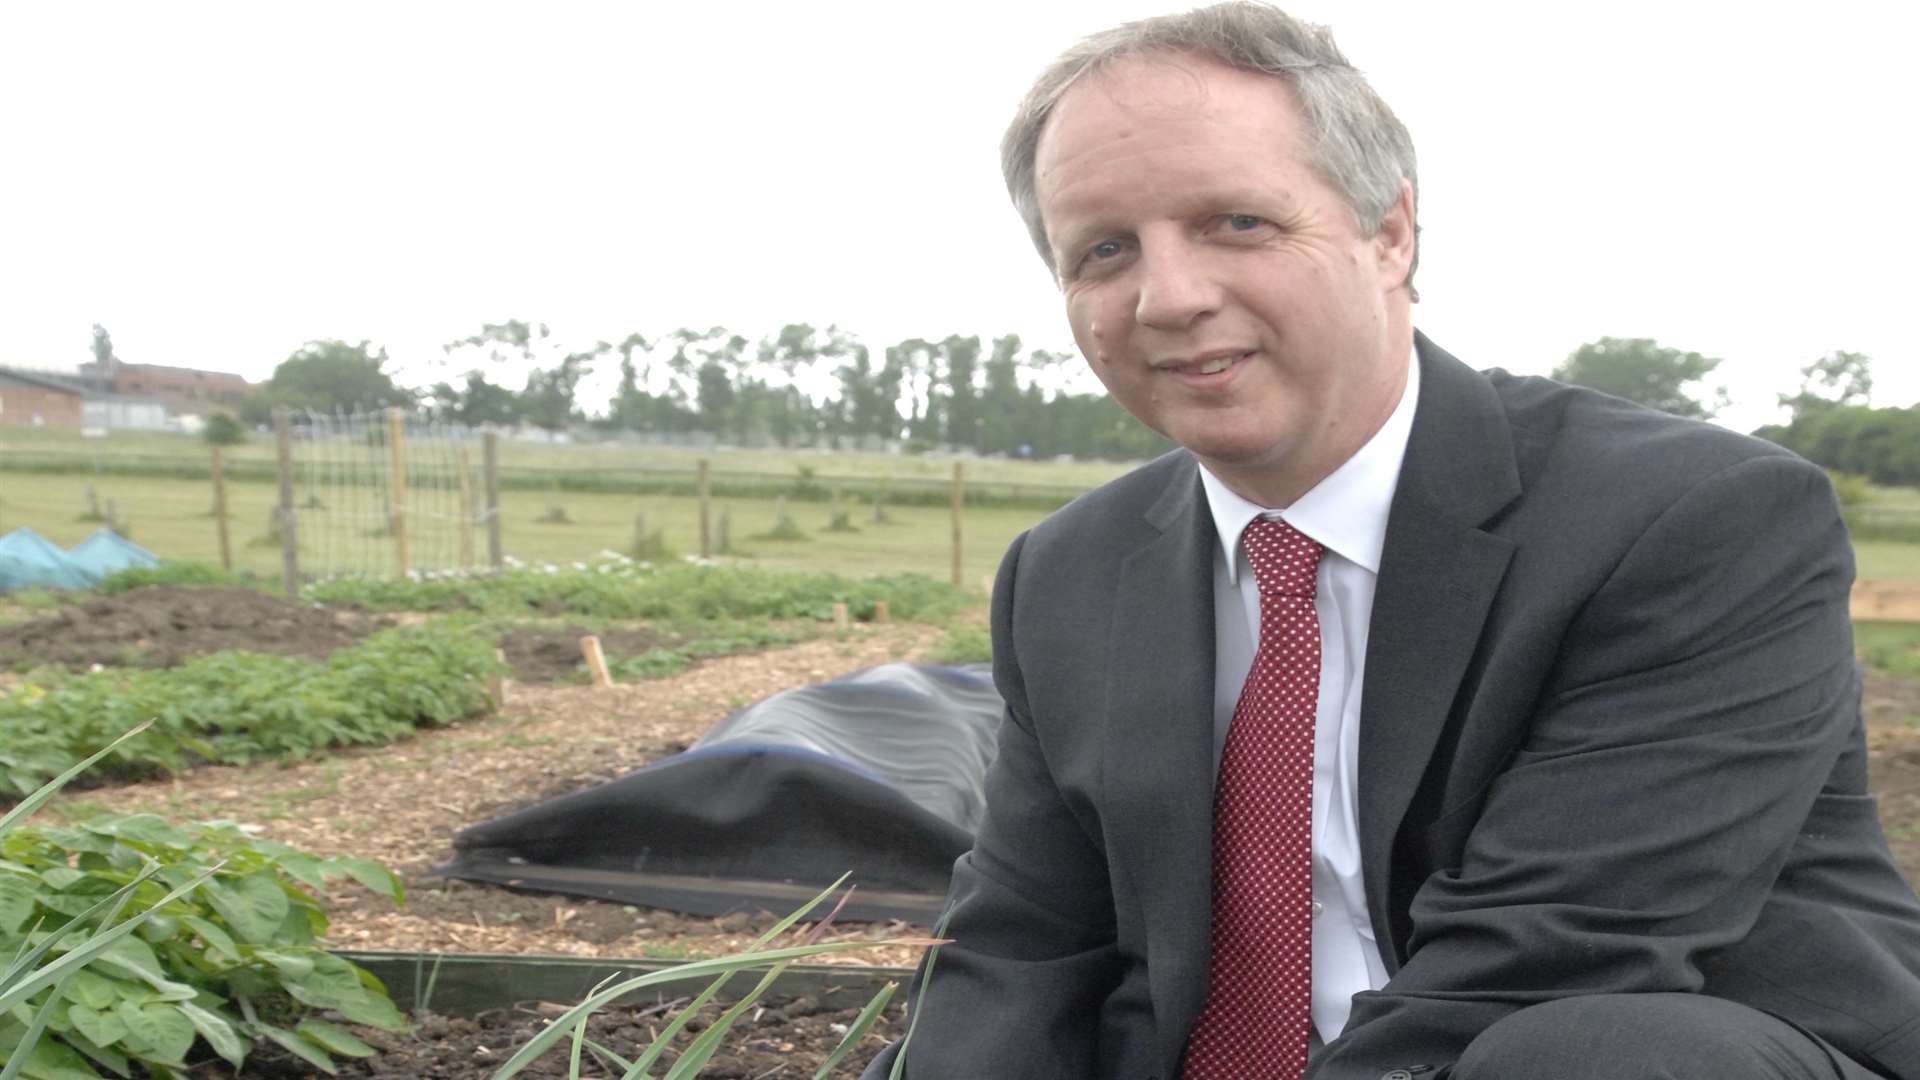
1395, 242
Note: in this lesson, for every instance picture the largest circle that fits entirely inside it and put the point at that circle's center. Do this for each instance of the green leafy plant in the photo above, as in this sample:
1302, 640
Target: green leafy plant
229, 963
84, 936
237, 708
726, 640
188, 574
621, 588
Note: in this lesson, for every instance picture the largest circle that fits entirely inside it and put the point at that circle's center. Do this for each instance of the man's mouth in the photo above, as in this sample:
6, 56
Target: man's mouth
1210, 364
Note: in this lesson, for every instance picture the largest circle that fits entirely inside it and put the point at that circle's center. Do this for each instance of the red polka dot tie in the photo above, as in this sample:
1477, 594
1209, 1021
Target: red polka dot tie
1259, 987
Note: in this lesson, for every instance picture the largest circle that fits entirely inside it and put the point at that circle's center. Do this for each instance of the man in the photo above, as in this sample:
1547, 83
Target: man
1431, 723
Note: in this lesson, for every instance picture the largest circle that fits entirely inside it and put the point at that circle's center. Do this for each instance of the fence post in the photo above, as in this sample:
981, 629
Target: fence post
959, 502
289, 538
220, 512
397, 486
466, 508
706, 512
490, 462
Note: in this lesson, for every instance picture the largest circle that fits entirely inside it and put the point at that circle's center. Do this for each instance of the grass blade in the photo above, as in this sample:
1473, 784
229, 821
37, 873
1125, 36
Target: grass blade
692, 970
609, 1060
861, 1025
913, 1018
708, 1043
638, 1070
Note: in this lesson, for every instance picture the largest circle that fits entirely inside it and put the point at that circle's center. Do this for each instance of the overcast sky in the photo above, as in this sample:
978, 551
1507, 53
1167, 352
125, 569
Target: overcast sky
218, 183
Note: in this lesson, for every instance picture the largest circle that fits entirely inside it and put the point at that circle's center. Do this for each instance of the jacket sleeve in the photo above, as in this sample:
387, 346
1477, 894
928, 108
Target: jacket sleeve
1699, 701
1018, 991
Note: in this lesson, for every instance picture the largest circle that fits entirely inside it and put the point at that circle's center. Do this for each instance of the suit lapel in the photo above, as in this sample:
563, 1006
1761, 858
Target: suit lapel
1158, 774
1439, 572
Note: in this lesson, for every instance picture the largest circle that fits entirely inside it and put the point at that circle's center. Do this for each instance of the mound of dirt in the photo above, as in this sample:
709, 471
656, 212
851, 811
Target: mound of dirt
161, 626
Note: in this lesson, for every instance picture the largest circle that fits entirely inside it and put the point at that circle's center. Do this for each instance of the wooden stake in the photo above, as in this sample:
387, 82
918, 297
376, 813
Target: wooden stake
466, 508
596, 662
397, 487
289, 539
497, 683
220, 513
490, 463
840, 619
959, 503
706, 511
880, 612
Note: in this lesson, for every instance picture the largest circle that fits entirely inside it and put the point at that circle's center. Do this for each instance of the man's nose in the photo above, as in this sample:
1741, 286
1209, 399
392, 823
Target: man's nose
1175, 287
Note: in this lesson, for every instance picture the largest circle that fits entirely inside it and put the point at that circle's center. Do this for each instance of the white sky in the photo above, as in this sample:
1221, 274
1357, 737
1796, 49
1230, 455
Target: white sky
218, 183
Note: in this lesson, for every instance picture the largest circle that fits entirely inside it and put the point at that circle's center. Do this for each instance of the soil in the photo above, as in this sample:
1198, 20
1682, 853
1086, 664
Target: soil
541, 654
160, 626
780, 1039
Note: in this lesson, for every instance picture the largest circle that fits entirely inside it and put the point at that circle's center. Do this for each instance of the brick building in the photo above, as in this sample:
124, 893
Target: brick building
184, 391
31, 399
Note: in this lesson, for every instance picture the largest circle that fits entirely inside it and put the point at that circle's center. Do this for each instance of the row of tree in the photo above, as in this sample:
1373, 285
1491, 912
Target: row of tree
800, 387
805, 386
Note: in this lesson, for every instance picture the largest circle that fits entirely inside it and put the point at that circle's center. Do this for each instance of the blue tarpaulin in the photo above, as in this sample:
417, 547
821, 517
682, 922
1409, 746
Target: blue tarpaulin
107, 552
31, 561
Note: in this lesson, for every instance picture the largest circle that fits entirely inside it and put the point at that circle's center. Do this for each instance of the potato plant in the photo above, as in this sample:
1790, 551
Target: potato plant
224, 966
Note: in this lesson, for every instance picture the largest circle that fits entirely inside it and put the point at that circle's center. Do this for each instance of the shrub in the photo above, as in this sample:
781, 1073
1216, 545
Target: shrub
223, 430
227, 964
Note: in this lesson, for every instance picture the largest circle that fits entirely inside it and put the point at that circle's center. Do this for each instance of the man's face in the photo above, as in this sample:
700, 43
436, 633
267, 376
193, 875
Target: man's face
1217, 286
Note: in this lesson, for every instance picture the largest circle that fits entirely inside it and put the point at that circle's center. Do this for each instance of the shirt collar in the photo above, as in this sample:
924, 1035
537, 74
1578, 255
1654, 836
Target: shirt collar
1346, 512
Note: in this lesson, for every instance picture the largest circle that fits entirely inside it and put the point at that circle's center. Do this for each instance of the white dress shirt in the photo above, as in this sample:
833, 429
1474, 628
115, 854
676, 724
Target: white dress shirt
1346, 513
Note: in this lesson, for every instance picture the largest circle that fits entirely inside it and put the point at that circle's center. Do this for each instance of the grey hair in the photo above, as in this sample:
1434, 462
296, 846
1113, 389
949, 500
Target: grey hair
1357, 145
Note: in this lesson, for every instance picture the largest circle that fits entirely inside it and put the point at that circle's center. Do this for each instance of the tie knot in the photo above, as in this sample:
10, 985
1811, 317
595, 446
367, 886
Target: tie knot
1284, 560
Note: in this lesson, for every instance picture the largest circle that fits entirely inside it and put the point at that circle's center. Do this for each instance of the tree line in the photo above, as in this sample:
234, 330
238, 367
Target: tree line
806, 386
802, 386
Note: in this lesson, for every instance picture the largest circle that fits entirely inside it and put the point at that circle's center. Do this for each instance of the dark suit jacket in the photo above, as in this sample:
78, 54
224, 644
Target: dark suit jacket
1610, 742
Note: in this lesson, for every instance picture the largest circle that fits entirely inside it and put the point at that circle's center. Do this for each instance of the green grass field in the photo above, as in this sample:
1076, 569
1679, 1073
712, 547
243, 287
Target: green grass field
171, 518
45, 443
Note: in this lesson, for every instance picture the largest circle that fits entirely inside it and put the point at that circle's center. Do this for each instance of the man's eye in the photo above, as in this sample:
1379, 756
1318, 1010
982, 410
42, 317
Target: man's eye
1105, 249
1244, 222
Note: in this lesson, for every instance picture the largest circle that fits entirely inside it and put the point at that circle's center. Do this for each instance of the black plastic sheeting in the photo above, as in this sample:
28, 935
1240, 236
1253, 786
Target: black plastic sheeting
879, 773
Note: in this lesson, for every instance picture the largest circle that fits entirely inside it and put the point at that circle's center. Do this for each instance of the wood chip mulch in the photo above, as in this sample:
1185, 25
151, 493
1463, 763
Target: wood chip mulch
401, 804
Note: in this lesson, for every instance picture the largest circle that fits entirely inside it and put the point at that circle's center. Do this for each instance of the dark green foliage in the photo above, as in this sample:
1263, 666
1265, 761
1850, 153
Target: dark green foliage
229, 965
673, 591
329, 376
236, 708
1881, 444
1641, 370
